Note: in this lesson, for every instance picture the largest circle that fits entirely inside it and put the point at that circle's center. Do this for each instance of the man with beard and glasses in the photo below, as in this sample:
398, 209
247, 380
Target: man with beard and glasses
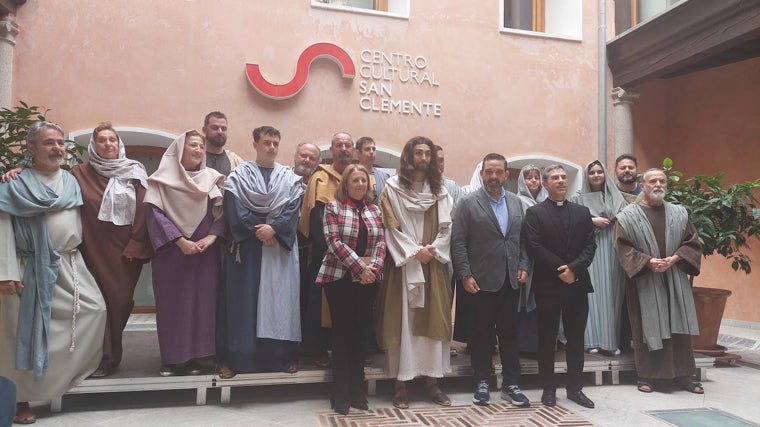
493, 267
305, 160
315, 315
625, 170
217, 158
658, 248
414, 299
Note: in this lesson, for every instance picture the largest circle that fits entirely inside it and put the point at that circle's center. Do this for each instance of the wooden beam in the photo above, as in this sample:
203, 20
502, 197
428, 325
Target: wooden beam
686, 34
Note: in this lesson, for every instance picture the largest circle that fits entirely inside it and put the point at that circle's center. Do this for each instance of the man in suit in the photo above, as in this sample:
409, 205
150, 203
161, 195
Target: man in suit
559, 236
488, 259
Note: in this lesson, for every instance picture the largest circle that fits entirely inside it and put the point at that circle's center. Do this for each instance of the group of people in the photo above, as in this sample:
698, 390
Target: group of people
377, 255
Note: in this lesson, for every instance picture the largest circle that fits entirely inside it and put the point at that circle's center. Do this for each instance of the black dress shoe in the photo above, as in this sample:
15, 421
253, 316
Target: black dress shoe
360, 403
339, 405
580, 398
549, 397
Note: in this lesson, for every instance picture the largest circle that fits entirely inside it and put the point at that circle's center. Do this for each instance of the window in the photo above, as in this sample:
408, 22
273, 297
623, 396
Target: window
551, 18
394, 8
629, 13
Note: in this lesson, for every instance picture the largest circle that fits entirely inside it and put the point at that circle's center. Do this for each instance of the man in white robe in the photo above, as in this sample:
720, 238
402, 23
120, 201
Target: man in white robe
52, 314
414, 301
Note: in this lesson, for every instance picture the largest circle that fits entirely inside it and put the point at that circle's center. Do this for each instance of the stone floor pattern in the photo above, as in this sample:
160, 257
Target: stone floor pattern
496, 414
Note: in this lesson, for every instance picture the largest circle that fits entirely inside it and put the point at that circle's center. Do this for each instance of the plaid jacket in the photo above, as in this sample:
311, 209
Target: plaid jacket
341, 228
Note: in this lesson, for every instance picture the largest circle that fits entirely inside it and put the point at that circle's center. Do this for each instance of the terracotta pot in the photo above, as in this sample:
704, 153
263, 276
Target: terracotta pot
710, 303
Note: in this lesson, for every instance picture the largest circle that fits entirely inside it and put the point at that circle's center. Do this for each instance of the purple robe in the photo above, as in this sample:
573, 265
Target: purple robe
185, 288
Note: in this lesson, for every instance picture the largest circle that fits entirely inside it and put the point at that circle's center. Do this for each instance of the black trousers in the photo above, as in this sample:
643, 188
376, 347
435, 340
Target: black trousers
500, 309
572, 306
351, 311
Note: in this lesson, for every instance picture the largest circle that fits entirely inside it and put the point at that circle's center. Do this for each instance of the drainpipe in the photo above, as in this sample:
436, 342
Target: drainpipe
602, 90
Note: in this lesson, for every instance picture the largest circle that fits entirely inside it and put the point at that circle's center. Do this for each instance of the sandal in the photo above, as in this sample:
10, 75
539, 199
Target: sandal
645, 386
400, 399
24, 414
292, 368
687, 384
438, 396
323, 361
225, 372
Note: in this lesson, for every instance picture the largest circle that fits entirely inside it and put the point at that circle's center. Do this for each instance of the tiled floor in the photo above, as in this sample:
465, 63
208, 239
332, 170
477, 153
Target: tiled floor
733, 390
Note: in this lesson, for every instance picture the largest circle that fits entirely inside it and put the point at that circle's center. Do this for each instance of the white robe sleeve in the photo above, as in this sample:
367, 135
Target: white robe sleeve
8, 261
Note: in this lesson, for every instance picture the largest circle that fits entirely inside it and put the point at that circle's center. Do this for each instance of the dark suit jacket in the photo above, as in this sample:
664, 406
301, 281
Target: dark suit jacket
551, 245
479, 249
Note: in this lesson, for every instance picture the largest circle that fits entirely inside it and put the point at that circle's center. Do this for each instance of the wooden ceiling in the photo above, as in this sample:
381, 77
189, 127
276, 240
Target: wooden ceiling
692, 36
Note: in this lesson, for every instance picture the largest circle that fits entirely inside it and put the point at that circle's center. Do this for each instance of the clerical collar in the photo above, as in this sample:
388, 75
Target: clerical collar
557, 203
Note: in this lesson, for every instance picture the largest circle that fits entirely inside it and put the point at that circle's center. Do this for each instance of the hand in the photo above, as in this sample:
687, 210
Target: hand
522, 276
470, 285
600, 222
206, 242
566, 274
187, 247
425, 254
11, 174
270, 242
10, 287
367, 276
264, 232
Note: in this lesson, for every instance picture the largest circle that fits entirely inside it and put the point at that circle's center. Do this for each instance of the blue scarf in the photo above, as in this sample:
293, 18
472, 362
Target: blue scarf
27, 199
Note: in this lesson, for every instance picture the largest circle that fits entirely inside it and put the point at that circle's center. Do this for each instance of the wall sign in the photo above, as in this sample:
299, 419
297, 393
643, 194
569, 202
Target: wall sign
312, 53
383, 76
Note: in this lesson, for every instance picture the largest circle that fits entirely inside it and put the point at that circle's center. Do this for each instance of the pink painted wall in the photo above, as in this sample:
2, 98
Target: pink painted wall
164, 64
707, 122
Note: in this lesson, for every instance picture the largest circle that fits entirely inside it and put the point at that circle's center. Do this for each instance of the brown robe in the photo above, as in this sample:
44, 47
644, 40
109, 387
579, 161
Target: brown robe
106, 248
676, 358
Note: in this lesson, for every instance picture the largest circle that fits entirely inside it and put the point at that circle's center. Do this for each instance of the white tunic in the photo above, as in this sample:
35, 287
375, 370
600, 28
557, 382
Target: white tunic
65, 368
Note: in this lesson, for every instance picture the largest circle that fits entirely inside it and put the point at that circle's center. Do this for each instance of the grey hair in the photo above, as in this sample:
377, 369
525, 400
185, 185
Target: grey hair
301, 144
550, 168
34, 130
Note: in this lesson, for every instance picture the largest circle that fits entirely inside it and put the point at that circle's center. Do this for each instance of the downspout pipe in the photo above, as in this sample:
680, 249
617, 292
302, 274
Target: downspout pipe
603, 82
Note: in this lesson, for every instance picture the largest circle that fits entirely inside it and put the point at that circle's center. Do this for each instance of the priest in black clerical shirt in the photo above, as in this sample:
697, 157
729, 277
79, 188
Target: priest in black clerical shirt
559, 235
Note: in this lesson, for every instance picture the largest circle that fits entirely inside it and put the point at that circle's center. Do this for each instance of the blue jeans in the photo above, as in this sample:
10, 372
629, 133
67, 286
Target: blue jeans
7, 402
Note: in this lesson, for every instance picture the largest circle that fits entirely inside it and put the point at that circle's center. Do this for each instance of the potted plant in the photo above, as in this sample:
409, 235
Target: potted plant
13, 125
724, 216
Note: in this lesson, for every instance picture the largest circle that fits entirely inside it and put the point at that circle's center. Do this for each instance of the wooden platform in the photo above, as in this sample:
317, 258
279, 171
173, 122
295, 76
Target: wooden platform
141, 361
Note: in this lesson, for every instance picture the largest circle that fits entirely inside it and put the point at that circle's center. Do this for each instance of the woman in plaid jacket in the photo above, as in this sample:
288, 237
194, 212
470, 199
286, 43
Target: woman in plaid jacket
350, 273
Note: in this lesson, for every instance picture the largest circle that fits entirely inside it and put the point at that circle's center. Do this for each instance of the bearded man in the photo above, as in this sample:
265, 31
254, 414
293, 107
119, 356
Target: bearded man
658, 248
414, 300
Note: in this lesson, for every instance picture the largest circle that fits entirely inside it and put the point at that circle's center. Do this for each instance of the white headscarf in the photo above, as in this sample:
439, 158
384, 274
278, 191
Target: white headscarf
182, 195
522, 188
119, 197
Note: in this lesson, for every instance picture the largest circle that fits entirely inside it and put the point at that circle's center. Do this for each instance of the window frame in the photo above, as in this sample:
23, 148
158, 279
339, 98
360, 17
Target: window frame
540, 22
317, 4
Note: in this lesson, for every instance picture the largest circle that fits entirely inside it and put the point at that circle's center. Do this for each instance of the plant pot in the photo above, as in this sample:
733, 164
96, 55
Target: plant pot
710, 304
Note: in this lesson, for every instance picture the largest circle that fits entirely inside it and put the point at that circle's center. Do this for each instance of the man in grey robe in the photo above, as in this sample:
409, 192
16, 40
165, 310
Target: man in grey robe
658, 247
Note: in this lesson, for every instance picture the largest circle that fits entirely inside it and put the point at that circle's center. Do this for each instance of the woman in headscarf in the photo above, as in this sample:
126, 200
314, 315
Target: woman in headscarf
531, 192
115, 240
529, 187
600, 194
184, 223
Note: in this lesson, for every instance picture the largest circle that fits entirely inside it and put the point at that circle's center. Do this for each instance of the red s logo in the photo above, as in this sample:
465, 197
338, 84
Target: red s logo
290, 89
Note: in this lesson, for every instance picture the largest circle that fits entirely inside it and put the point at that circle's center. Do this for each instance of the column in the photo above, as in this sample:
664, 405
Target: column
8, 33
622, 116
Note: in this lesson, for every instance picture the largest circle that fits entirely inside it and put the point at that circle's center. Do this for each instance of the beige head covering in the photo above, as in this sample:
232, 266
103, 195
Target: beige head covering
182, 195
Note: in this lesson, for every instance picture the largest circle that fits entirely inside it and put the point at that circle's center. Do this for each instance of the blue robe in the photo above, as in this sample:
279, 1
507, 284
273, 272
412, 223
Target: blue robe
238, 344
